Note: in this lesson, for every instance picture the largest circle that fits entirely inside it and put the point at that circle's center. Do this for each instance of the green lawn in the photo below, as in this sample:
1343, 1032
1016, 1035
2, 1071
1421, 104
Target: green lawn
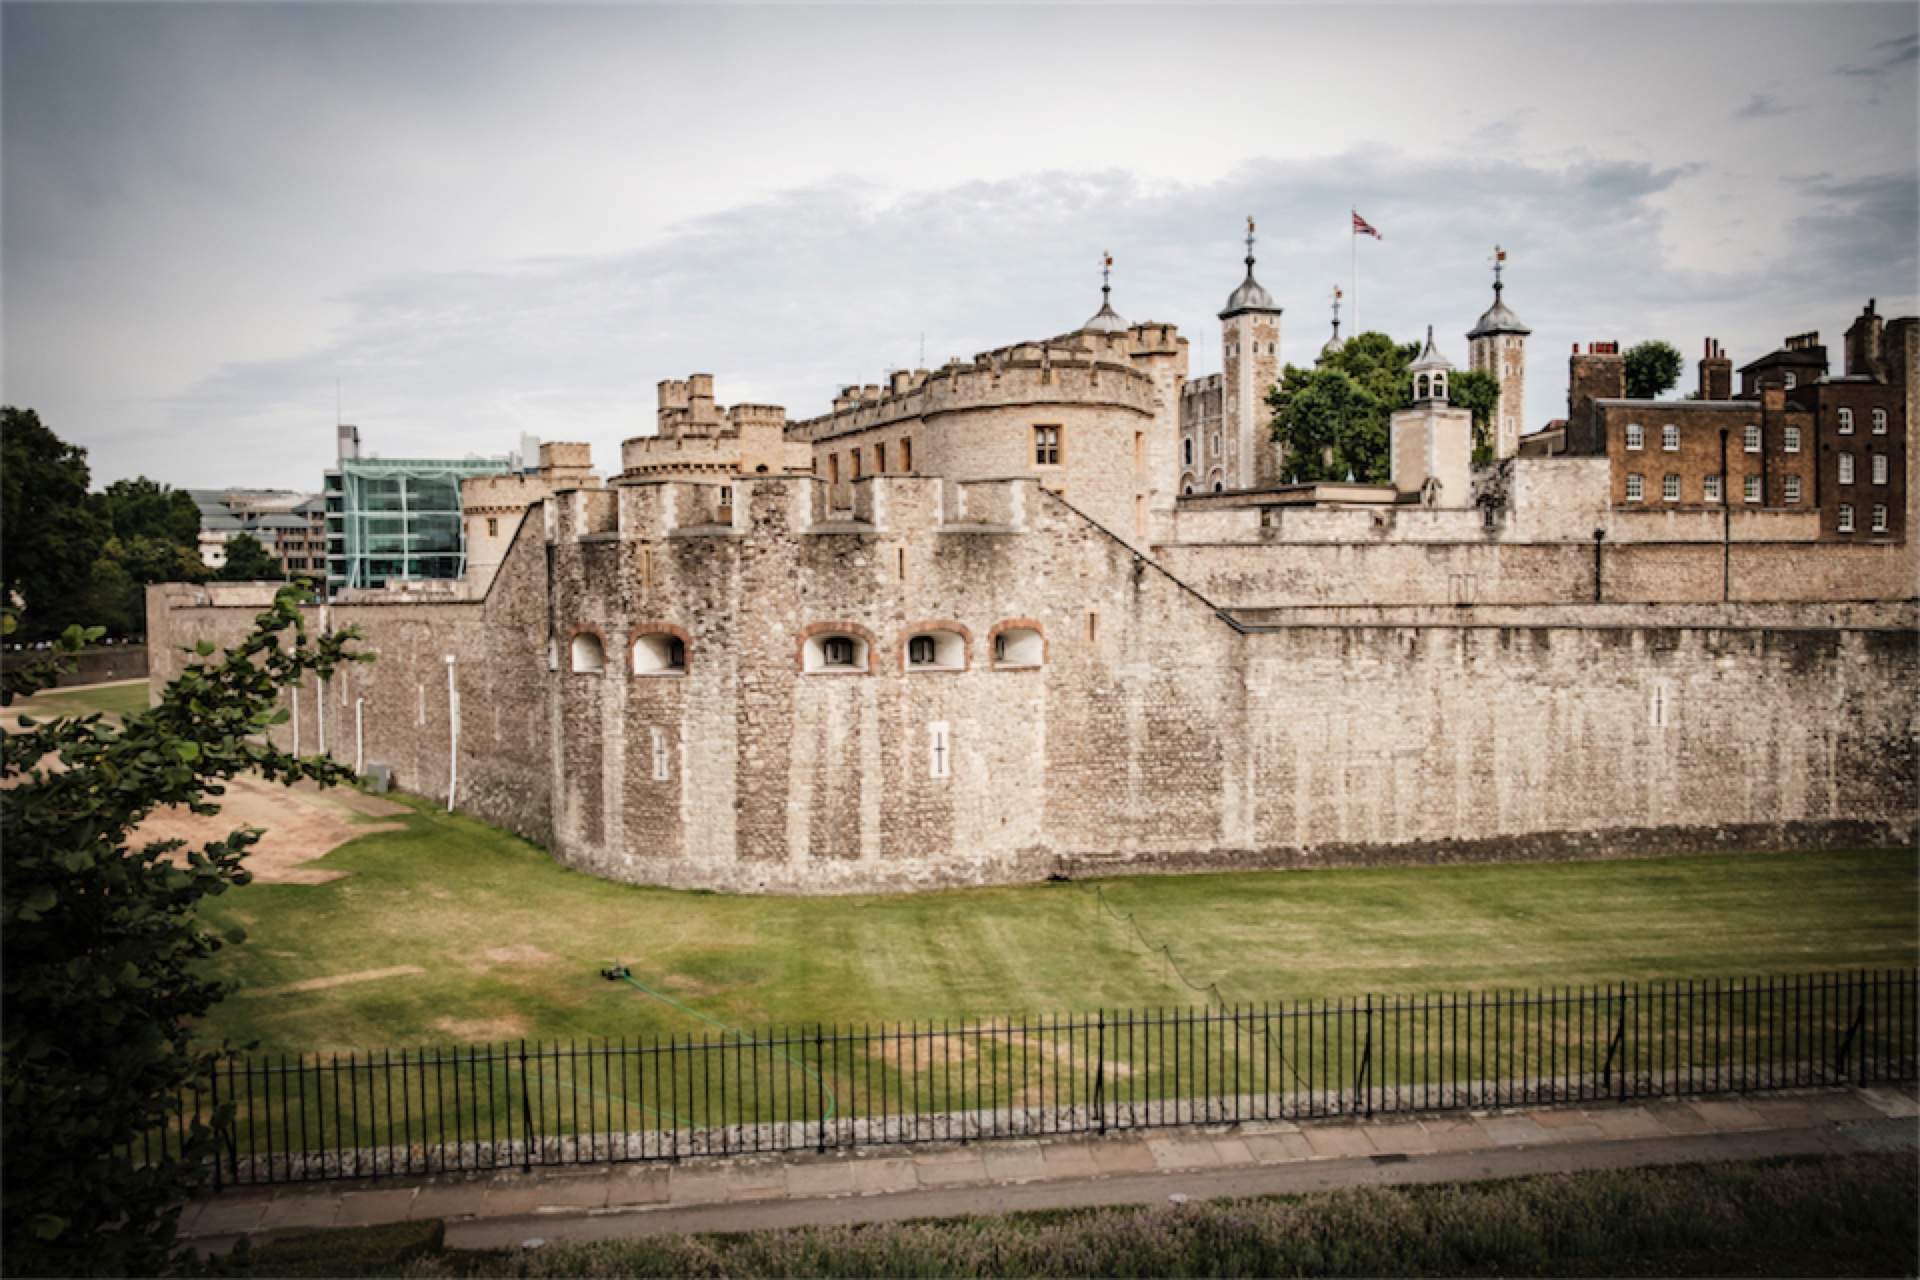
116, 699
508, 944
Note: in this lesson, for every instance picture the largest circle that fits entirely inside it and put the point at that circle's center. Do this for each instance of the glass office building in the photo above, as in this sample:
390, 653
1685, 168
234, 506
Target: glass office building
398, 518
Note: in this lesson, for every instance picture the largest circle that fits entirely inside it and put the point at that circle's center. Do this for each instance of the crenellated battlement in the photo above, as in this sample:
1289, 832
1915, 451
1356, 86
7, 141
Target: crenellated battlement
756, 507
1034, 373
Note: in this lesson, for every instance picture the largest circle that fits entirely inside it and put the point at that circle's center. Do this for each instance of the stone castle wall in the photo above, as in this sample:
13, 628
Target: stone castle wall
1160, 729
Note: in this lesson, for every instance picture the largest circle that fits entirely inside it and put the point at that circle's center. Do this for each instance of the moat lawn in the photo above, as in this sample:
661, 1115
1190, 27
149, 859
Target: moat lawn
448, 930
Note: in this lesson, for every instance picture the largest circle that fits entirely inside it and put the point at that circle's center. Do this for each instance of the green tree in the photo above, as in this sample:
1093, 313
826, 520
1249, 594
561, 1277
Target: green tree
152, 536
1478, 392
50, 533
248, 560
1332, 419
102, 955
1653, 367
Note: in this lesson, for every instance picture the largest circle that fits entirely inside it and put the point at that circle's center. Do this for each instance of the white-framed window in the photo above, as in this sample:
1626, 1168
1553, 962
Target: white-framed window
1750, 489
834, 654
937, 651
1879, 517
1846, 468
661, 760
1879, 468
939, 750
659, 653
1046, 446
1846, 422
1790, 489
1670, 487
1751, 437
1845, 522
1790, 440
1018, 647
1710, 488
1636, 436
588, 654
1879, 422
1636, 488
1670, 437
1791, 381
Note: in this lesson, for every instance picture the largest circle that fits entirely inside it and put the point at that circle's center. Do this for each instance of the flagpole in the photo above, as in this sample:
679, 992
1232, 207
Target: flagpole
1353, 242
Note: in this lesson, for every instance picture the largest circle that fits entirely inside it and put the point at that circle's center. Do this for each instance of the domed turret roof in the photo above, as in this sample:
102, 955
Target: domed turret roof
1334, 346
1498, 318
1106, 319
1249, 296
1429, 357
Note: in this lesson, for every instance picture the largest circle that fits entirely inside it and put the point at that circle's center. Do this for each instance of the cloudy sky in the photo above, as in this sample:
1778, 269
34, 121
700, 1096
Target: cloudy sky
482, 220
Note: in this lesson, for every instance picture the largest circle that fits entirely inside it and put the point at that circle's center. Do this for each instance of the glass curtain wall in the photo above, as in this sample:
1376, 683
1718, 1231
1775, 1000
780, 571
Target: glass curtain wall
396, 519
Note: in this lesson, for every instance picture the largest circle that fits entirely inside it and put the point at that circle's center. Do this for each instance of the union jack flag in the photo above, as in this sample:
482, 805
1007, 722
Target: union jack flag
1361, 227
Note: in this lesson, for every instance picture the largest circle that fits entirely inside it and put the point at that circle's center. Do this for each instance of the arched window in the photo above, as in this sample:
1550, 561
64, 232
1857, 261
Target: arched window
1016, 646
1218, 487
936, 649
589, 655
659, 653
835, 652
1420, 387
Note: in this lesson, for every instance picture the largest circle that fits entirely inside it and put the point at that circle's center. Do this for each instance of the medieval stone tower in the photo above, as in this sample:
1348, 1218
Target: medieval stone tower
1498, 345
1250, 339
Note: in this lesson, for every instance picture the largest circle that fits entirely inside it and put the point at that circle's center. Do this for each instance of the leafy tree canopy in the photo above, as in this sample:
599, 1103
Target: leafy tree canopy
49, 530
1653, 367
1333, 418
102, 955
248, 560
75, 557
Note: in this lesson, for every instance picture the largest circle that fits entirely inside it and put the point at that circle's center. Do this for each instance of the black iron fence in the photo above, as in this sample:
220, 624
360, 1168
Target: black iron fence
365, 1115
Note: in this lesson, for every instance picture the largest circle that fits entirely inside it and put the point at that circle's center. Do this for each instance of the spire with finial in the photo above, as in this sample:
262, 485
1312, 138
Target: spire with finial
1334, 344
1106, 319
1498, 318
1249, 296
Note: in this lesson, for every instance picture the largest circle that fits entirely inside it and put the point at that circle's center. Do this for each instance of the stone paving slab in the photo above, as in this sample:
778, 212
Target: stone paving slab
1334, 1141
1059, 1171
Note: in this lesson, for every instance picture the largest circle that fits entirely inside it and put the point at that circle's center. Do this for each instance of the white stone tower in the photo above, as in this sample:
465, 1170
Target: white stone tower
1430, 443
1498, 345
1250, 342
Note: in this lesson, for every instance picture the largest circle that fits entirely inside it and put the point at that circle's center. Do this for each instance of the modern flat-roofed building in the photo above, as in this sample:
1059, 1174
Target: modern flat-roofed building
396, 519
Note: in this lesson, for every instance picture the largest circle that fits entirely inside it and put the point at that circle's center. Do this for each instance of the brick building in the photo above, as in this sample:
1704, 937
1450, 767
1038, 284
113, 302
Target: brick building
1798, 440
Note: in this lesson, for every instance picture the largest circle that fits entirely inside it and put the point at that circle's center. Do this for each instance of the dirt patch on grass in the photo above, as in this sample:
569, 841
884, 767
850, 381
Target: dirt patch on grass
301, 823
519, 953
337, 980
479, 1030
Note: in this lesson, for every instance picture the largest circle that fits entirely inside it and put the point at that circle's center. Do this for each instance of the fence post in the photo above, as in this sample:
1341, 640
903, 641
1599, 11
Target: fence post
213, 1074
526, 1114
1100, 1072
820, 1080
1623, 1042
1365, 1083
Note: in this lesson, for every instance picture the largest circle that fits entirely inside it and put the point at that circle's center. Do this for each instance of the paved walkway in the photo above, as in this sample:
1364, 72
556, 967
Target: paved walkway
744, 1193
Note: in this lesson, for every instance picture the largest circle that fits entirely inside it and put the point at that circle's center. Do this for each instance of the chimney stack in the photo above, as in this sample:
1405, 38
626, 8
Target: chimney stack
1716, 372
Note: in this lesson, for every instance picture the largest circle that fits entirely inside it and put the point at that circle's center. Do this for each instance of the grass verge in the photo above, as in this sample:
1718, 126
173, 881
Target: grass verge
1840, 1216
452, 931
